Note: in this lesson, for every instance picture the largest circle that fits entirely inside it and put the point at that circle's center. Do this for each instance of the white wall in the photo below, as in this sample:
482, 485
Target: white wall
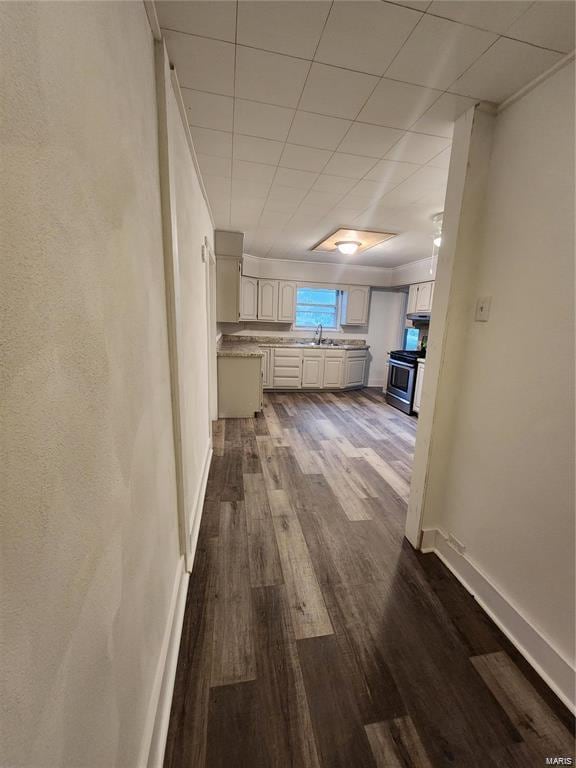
339, 274
386, 324
507, 490
88, 530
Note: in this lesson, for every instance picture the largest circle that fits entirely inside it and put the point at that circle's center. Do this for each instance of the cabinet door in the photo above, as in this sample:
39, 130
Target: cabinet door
313, 372
267, 299
248, 298
412, 299
356, 305
424, 297
266, 368
286, 301
418, 387
333, 371
227, 289
355, 369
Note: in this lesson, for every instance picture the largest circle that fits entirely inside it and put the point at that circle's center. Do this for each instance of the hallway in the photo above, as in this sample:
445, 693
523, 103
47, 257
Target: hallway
315, 636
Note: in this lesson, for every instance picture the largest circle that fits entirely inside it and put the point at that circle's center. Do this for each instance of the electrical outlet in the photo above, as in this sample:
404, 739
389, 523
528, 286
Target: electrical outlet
483, 309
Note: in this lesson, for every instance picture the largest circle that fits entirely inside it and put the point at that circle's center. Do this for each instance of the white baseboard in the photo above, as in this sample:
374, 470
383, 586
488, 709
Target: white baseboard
154, 745
160, 685
552, 667
197, 506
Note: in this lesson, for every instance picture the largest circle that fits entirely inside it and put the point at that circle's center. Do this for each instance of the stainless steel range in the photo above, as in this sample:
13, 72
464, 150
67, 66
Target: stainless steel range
402, 366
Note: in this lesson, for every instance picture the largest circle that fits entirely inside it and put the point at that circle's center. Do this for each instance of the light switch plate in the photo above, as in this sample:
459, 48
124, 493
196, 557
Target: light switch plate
483, 309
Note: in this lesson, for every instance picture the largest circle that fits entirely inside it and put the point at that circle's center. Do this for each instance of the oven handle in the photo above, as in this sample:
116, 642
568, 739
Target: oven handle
400, 364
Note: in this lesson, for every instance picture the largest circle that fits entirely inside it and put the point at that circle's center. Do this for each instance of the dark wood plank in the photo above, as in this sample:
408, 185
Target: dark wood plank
234, 728
396, 744
285, 728
265, 568
340, 736
233, 657
186, 738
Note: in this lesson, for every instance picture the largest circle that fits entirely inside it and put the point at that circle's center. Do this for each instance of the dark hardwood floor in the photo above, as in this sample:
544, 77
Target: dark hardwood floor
314, 635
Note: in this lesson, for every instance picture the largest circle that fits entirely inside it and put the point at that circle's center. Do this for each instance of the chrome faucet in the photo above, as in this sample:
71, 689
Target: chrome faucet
318, 332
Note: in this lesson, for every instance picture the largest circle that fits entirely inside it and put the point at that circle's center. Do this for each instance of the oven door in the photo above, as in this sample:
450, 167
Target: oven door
400, 387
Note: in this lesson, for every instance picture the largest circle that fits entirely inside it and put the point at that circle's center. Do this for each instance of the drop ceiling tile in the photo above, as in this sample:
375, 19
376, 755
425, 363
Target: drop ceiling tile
274, 219
202, 64
371, 190
336, 184
352, 166
364, 35
397, 105
419, 5
248, 171
217, 20
269, 77
495, 16
391, 171
209, 142
417, 148
304, 158
503, 69
288, 177
215, 166
207, 110
318, 131
221, 214
550, 24
218, 188
245, 212
319, 203
422, 60
336, 92
442, 160
262, 120
291, 27
250, 188
257, 150
439, 119
284, 199
369, 140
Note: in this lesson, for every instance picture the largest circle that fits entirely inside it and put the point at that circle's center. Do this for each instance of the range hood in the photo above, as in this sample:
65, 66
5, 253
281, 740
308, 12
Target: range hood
419, 317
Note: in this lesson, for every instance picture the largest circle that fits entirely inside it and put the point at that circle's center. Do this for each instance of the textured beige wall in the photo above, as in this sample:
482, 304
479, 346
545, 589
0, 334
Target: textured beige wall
507, 492
88, 530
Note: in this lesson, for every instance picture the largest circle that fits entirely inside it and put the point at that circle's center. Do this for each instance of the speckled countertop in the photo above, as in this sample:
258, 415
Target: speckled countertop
285, 341
239, 349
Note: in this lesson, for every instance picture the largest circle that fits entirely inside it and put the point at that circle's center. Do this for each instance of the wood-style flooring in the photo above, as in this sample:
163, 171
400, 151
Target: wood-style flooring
314, 635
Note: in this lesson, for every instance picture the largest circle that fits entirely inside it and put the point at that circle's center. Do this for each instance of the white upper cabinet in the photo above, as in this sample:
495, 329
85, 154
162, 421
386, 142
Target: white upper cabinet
267, 300
248, 298
355, 305
424, 297
227, 289
286, 301
420, 298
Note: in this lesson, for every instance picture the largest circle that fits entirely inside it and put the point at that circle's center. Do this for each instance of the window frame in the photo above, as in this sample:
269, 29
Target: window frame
338, 305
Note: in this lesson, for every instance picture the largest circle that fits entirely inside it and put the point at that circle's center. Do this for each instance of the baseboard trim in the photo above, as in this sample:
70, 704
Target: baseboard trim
154, 745
198, 505
159, 694
552, 667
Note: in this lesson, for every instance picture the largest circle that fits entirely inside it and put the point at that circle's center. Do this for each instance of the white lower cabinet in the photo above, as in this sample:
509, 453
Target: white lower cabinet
287, 368
313, 368
267, 363
319, 368
355, 369
418, 387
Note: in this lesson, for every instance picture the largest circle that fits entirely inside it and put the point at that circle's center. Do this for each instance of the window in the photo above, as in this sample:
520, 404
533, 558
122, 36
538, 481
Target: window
316, 306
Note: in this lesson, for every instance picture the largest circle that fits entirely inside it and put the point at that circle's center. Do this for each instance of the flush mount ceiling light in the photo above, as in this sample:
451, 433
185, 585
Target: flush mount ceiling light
438, 241
348, 247
351, 241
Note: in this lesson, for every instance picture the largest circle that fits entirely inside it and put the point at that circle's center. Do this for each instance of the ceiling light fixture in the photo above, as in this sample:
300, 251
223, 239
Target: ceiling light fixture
350, 242
348, 247
438, 241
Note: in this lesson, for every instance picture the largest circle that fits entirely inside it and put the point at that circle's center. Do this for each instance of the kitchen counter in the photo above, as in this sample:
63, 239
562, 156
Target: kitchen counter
239, 349
229, 342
